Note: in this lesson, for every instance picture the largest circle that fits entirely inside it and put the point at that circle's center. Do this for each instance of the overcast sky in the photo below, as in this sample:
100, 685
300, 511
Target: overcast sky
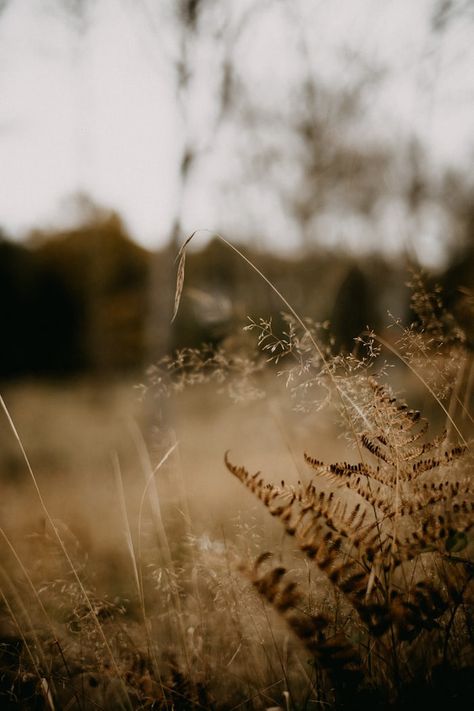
90, 105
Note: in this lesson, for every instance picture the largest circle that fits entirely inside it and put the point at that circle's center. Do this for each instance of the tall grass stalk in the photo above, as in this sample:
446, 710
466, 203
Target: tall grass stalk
64, 550
20, 628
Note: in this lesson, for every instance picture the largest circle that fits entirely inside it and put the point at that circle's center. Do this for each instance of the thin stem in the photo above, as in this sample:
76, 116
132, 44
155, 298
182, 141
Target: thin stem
63, 547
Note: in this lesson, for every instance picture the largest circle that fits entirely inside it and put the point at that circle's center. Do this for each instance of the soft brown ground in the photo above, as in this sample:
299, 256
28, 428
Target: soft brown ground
72, 432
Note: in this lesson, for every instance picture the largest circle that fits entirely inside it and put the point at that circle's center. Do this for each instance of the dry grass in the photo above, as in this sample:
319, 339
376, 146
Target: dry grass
135, 571
207, 519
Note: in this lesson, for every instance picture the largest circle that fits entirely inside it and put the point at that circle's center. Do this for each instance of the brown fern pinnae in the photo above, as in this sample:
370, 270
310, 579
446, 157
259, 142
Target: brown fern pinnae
319, 525
435, 532
416, 611
334, 653
267, 493
388, 536
335, 471
375, 449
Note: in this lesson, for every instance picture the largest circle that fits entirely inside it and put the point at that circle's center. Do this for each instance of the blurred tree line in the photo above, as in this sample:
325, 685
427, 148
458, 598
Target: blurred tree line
84, 300
74, 301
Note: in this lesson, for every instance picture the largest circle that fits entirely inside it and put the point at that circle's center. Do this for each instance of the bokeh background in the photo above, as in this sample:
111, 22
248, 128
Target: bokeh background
332, 141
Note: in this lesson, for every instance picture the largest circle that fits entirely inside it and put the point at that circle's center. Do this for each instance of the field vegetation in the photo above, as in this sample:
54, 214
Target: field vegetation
277, 522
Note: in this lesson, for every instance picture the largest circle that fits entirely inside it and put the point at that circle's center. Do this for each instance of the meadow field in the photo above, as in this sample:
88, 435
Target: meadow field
236, 355
283, 529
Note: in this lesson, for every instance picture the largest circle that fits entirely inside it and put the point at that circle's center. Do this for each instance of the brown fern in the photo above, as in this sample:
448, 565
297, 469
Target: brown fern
366, 533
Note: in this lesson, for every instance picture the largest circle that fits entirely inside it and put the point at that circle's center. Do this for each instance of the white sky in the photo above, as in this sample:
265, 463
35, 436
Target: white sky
95, 110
